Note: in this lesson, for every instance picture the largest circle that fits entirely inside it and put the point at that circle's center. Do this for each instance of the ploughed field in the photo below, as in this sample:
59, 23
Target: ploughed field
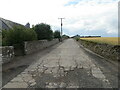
106, 40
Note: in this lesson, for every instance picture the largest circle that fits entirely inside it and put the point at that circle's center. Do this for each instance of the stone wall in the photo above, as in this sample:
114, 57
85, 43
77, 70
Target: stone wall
0, 55
105, 50
7, 53
34, 46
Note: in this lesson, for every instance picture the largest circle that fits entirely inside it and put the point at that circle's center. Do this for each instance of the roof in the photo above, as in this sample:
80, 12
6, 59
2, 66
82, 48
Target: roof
7, 24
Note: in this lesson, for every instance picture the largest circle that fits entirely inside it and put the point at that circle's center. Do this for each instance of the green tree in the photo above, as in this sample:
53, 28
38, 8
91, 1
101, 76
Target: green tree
57, 34
43, 31
65, 36
49, 35
77, 37
18, 35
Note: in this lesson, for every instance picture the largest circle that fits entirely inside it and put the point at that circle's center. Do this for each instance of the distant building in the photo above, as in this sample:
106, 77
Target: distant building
89, 36
27, 25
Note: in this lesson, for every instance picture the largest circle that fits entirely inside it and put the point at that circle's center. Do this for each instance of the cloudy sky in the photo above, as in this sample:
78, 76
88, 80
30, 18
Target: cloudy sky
83, 17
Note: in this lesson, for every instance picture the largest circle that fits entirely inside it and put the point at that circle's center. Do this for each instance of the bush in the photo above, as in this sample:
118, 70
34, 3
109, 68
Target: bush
77, 39
57, 34
17, 35
65, 36
4, 37
30, 35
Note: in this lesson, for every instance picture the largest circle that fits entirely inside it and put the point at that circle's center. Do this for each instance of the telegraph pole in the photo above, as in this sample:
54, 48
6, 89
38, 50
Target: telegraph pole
61, 26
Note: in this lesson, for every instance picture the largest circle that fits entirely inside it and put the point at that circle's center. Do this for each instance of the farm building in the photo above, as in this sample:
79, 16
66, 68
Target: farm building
7, 24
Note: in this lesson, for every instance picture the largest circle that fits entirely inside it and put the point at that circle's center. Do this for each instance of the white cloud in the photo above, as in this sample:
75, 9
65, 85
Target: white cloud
82, 17
112, 32
97, 17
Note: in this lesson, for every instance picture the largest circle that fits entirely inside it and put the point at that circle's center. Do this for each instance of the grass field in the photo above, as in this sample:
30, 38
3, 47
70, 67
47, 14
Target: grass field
107, 40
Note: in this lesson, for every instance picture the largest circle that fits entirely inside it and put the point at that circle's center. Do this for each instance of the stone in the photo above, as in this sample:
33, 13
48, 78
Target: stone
80, 66
32, 81
67, 68
24, 72
32, 84
55, 85
55, 69
73, 87
49, 70
34, 75
96, 72
100, 76
50, 84
62, 85
40, 70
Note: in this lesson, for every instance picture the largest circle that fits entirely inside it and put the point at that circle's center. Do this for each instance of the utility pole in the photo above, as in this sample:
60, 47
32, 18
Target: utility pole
61, 26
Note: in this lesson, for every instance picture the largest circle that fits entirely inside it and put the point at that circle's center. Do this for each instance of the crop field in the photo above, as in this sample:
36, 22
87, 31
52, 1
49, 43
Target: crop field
107, 40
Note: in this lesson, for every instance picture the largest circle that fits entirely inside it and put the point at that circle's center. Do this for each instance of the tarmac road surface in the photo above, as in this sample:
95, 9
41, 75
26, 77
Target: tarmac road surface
68, 65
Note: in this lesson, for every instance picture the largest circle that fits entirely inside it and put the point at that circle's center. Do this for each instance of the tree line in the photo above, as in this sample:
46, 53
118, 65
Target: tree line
19, 34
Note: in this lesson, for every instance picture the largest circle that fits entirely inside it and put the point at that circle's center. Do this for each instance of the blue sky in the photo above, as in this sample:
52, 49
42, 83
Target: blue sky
84, 17
72, 2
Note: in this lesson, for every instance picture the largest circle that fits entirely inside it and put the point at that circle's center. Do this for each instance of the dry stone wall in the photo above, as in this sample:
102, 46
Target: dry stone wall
34, 46
105, 50
7, 53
